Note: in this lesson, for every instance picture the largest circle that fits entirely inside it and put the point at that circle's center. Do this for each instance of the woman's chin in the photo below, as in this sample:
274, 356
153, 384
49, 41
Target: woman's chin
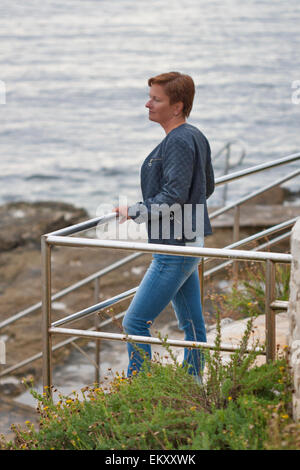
151, 117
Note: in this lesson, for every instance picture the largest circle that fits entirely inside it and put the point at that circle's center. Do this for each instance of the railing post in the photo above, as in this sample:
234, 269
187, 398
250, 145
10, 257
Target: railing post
236, 237
226, 169
97, 341
201, 279
46, 316
270, 295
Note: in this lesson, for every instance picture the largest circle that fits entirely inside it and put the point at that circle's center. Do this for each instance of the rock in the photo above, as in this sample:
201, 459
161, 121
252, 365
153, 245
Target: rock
23, 223
10, 386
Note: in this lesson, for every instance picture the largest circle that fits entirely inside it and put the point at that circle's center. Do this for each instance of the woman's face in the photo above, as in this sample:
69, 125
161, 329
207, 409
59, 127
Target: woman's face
160, 109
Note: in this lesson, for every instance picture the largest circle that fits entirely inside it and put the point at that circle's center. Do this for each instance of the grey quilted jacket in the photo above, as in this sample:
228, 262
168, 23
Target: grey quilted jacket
176, 180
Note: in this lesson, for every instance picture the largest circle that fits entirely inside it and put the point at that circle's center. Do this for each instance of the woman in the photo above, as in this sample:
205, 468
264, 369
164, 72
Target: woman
176, 179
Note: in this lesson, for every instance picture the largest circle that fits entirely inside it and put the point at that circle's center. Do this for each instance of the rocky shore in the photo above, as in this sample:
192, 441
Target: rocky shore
21, 226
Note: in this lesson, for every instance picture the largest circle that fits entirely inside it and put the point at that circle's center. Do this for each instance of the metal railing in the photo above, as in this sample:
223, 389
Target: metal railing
50, 329
96, 276
112, 301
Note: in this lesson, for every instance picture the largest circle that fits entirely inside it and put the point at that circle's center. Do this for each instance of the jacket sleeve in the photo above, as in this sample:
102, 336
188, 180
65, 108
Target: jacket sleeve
209, 173
178, 167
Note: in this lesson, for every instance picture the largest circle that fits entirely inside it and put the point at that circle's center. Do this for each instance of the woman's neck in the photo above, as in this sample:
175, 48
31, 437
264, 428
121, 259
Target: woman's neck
172, 125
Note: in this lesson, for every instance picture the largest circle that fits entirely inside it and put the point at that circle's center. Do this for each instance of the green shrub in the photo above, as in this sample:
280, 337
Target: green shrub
248, 292
164, 408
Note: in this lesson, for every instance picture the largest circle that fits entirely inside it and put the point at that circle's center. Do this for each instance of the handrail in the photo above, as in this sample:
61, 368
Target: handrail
57, 346
113, 300
250, 196
263, 233
67, 290
157, 248
269, 243
169, 249
85, 225
86, 312
146, 339
256, 169
50, 329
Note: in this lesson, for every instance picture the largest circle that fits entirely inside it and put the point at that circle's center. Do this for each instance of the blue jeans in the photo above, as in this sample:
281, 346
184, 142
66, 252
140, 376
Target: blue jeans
168, 278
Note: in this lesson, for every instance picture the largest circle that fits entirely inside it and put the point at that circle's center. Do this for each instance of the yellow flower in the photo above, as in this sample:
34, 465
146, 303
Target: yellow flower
192, 408
229, 398
285, 416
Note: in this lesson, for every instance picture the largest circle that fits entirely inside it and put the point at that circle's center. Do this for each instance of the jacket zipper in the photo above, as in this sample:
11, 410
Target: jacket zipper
153, 159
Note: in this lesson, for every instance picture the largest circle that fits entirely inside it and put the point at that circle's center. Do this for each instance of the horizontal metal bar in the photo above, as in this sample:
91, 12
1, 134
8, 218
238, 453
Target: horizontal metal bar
86, 312
276, 240
264, 233
85, 225
250, 196
279, 305
170, 249
71, 288
127, 294
57, 346
256, 169
145, 339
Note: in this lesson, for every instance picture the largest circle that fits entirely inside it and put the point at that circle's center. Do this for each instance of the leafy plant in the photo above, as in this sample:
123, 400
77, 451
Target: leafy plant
163, 407
248, 292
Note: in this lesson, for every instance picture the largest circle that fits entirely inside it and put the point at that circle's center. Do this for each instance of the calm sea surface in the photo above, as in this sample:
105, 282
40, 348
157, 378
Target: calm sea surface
74, 127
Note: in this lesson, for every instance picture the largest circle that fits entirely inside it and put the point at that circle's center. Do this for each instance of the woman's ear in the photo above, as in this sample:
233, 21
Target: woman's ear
178, 108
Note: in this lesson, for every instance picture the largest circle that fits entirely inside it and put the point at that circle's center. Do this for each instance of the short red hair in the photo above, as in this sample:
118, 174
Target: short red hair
178, 87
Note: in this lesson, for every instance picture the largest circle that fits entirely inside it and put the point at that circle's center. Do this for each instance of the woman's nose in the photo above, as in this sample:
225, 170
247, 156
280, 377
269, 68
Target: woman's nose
148, 104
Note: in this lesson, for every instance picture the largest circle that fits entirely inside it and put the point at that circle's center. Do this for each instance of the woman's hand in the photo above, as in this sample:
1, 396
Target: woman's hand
122, 212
